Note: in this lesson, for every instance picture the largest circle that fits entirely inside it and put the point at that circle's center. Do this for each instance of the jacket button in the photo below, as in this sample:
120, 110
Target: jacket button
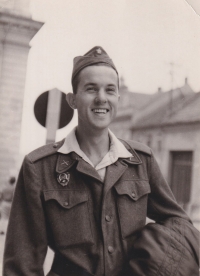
108, 218
55, 145
133, 194
110, 249
65, 203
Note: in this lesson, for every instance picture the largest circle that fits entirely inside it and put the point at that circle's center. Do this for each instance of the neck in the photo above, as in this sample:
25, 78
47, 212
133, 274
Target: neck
95, 144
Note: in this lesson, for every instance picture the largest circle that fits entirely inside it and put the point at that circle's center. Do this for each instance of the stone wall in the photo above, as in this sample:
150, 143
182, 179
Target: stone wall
176, 138
15, 34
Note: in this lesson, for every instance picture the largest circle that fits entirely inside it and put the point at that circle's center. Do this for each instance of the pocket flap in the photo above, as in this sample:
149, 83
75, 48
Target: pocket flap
67, 198
133, 188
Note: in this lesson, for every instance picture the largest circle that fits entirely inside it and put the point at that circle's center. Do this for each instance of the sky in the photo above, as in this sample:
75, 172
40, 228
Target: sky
143, 37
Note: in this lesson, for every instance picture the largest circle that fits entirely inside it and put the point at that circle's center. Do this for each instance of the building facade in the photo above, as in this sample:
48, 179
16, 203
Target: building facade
16, 30
169, 122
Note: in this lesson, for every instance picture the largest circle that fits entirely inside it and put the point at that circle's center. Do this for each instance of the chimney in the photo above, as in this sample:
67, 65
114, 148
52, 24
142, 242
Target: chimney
159, 90
186, 81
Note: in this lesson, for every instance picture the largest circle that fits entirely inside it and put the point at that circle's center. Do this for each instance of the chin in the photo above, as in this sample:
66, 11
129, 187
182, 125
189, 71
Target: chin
101, 126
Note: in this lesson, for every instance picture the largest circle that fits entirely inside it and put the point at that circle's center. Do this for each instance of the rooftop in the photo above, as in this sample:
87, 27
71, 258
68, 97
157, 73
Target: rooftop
182, 109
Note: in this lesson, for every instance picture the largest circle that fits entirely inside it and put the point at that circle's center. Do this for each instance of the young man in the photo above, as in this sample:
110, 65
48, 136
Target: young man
87, 197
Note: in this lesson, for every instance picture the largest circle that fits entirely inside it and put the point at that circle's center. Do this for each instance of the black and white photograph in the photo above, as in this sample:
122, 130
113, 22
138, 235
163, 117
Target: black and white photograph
100, 137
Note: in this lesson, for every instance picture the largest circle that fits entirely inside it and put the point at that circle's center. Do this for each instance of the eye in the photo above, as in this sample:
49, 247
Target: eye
91, 89
111, 90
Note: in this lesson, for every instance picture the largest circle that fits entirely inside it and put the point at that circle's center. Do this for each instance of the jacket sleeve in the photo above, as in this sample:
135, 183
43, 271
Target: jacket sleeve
26, 240
171, 245
161, 203
165, 250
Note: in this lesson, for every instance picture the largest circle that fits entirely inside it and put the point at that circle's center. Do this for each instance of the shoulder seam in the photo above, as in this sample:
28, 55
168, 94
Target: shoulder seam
44, 151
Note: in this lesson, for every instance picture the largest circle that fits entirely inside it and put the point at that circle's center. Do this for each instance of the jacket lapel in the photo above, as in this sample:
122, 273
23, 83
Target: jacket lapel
113, 173
87, 169
116, 170
66, 161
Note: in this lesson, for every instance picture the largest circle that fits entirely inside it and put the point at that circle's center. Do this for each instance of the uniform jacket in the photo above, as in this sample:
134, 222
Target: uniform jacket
94, 228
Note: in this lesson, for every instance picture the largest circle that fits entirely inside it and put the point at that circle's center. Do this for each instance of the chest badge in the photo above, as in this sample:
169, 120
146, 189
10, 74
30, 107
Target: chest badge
63, 179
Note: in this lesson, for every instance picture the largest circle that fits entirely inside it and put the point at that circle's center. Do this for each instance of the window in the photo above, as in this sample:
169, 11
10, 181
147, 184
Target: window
181, 175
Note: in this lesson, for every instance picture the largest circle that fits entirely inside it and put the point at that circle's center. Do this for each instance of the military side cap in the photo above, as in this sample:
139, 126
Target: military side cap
94, 56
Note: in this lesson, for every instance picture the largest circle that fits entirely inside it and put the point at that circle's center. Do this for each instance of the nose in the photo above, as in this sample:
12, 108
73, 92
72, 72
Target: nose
101, 97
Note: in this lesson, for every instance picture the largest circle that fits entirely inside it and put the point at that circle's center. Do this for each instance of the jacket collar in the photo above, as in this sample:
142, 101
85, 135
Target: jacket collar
113, 174
117, 149
87, 169
134, 159
66, 161
114, 171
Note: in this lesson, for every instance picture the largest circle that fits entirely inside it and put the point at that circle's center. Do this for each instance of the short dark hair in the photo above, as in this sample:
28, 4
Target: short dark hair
75, 83
75, 80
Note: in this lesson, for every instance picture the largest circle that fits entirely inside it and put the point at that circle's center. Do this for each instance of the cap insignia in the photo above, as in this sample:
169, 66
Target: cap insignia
99, 51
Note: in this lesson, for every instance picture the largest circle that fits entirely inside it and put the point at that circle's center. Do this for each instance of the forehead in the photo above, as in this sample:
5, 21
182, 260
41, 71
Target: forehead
98, 74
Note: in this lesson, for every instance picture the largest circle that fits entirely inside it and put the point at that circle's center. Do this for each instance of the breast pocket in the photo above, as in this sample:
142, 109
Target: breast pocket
132, 205
68, 217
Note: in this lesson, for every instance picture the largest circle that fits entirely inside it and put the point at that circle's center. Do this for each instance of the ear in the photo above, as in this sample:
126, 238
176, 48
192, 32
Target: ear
71, 99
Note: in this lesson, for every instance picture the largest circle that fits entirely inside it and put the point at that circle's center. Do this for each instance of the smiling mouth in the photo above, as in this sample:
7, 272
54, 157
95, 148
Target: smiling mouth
100, 110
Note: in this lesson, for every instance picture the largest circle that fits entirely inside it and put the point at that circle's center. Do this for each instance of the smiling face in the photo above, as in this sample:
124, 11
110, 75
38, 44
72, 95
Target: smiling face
97, 97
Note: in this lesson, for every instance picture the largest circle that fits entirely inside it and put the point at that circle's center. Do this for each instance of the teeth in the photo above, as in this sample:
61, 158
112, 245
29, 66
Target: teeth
100, 111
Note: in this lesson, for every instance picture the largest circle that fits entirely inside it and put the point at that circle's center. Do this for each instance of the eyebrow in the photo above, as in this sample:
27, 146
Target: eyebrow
95, 84
90, 83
